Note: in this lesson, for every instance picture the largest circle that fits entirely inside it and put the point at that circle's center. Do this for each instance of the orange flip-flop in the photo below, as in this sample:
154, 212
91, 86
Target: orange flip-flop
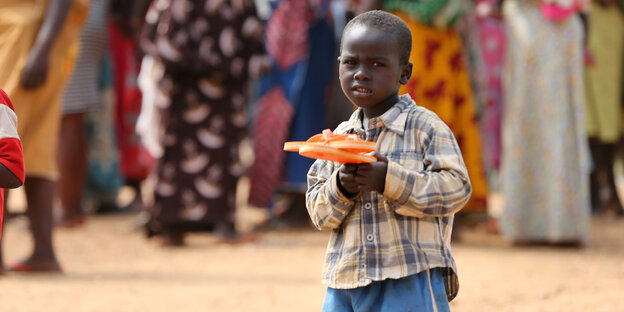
334, 154
293, 146
342, 148
353, 144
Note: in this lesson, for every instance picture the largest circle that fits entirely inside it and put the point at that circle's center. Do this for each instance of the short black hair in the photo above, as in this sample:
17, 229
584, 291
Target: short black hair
388, 23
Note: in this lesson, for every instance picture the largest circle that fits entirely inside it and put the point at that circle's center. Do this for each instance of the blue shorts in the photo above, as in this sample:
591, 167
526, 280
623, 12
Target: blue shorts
412, 293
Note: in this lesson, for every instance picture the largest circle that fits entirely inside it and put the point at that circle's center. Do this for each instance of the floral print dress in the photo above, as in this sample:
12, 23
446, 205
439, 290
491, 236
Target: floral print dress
205, 47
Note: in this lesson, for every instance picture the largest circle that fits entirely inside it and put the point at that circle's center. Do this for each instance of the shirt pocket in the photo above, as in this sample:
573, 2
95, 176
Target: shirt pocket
412, 161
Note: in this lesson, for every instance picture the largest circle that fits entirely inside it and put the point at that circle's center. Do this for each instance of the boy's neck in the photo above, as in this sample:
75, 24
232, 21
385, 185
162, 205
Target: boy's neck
380, 108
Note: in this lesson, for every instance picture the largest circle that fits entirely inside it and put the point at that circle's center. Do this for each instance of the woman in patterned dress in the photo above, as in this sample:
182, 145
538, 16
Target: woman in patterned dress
207, 49
545, 165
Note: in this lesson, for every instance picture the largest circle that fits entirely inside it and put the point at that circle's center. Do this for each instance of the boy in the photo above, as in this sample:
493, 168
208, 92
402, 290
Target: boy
11, 157
391, 220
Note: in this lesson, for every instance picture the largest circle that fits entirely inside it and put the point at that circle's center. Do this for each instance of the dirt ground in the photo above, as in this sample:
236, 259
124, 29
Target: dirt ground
109, 266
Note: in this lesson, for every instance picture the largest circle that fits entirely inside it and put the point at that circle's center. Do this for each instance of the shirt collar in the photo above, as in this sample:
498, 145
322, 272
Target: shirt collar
394, 119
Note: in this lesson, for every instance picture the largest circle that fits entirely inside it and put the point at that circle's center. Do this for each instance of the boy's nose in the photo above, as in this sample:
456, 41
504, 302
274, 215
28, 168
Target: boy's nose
361, 74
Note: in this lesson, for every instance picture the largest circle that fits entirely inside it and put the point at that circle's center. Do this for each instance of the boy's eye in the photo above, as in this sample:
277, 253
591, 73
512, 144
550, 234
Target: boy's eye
378, 64
349, 62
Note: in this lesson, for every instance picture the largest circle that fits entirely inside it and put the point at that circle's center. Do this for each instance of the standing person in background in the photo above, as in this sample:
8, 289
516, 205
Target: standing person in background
545, 165
11, 154
81, 96
292, 101
41, 40
604, 108
103, 177
208, 49
135, 162
492, 41
440, 80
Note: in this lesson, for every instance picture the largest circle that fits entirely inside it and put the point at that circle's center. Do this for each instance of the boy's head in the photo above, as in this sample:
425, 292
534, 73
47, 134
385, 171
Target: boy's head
374, 60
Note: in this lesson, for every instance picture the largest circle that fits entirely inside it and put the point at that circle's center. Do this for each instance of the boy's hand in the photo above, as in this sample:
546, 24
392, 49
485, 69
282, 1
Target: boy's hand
372, 176
346, 180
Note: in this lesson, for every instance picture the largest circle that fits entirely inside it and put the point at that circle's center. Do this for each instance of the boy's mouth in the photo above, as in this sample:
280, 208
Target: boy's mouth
362, 90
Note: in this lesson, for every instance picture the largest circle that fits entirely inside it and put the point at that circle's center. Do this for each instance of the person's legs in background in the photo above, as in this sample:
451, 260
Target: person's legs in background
604, 195
40, 198
72, 162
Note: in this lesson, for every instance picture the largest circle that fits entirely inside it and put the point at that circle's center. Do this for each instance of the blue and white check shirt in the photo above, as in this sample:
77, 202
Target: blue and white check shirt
407, 229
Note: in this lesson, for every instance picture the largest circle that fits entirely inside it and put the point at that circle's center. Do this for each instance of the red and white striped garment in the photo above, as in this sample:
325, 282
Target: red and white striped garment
11, 154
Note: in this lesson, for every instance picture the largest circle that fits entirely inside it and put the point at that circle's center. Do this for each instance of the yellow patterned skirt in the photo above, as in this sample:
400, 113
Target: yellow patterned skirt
440, 83
38, 110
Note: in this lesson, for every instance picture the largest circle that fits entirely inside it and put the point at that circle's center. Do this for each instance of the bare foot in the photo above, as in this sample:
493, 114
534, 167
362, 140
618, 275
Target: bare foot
172, 239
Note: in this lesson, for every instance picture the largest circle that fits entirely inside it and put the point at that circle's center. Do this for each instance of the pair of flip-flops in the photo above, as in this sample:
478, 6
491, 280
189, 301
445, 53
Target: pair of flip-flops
342, 148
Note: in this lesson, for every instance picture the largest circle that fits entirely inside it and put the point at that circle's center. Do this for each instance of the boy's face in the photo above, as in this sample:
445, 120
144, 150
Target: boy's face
370, 70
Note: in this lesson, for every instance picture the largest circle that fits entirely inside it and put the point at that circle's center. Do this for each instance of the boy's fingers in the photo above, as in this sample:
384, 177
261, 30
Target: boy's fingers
378, 155
348, 168
364, 167
361, 180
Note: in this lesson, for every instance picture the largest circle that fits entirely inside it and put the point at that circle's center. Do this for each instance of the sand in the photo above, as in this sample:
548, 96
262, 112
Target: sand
110, 266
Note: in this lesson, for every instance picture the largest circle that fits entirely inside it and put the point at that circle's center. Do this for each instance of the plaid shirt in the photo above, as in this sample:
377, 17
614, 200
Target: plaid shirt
407, 229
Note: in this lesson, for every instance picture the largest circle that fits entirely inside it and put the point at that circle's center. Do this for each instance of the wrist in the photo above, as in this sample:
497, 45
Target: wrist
343, 190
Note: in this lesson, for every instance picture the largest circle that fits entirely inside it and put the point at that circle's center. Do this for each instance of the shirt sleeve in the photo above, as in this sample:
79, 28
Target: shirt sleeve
327, 206
11, 153
442, 188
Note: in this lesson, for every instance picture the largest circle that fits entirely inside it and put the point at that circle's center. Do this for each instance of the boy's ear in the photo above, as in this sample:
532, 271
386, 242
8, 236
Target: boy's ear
406, 73
338, 59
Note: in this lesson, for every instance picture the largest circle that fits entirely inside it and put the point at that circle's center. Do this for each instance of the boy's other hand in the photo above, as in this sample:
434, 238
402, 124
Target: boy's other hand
35, 72
346, 180
372, 176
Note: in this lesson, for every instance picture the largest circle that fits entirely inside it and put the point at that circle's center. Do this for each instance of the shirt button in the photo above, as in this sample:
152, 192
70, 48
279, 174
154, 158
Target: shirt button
368, 205
370, 237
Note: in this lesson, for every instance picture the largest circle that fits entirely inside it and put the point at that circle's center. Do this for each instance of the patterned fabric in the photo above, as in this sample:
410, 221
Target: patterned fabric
287, 32
199, 36
135, 162
303, 77
38, 110
82, 93
271, 126
434, 13
11, 155
103, 176
604, 79
205, 120
492, 40
440, 83
545, 165
407, 229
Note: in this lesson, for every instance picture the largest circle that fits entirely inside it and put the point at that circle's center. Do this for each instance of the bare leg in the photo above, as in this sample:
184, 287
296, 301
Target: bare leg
614, 199
594, 180
40, 196
4, 221
72, 162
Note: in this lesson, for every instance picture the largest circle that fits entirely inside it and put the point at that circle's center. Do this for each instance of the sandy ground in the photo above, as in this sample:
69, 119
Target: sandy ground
110, 266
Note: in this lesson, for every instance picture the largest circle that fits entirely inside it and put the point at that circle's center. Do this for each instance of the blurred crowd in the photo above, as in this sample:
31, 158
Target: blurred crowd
178, 94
